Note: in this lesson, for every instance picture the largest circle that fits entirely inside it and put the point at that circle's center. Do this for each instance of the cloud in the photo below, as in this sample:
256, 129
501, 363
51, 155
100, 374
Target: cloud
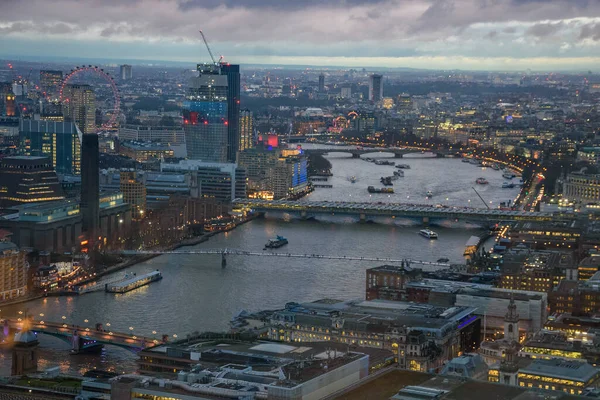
308, 28
545, 29
590, 31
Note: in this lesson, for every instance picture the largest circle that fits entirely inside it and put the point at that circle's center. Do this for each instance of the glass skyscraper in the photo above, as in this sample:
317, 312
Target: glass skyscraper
61, 141
79, 106
205, 115
233, 109
375, 88
50, 83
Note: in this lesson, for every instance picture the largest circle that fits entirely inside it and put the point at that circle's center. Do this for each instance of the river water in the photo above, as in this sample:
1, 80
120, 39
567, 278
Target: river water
196, 294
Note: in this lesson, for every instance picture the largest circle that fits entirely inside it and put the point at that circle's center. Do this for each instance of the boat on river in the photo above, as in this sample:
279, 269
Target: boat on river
373, 189
133, 282
276, 242
429, 234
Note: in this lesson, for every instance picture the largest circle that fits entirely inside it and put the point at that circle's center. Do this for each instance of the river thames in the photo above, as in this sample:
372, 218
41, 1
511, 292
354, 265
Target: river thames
196, 294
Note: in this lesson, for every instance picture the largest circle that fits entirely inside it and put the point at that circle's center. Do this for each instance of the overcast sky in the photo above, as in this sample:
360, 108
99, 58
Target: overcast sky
438, 34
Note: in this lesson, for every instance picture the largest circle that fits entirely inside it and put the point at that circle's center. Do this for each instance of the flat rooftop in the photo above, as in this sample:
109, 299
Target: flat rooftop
277, 353
500, 294
390, 383
31, 158
559, 368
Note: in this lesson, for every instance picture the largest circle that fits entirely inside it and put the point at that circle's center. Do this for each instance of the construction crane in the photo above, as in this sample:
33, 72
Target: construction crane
488, 207
208, 48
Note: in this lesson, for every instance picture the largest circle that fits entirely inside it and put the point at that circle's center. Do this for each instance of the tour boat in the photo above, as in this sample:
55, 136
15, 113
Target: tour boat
276, 243
429, 234
481, 181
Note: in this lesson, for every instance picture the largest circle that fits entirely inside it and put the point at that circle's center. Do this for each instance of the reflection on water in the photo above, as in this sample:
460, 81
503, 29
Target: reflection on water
196, 294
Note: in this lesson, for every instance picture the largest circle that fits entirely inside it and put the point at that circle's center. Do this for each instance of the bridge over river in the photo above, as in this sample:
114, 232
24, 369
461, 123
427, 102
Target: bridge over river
81, 338
423, 213
398, 152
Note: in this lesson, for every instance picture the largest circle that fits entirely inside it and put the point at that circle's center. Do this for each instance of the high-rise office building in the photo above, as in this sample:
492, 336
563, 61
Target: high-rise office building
346, 92
205, 115
90, 187
13, 270
50, 82
376, 87
233, 109
246, 130
61, 141
126, 72
321, 83
134, 193
25, 179
79, 106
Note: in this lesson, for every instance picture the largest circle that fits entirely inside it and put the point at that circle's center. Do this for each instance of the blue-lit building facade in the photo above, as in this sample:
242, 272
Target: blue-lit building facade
61, 141
205, 115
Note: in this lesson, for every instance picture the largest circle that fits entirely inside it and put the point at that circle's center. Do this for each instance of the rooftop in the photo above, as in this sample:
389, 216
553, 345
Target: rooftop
260, 364
559, 368
25, 158
145, 146
375, 315
409, 385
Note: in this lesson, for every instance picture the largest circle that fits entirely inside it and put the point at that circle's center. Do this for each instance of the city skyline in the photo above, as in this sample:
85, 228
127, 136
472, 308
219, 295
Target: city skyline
460, 34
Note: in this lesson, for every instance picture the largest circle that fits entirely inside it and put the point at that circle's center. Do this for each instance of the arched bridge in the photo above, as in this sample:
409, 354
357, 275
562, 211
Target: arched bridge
306, 209
82, 339
398, 152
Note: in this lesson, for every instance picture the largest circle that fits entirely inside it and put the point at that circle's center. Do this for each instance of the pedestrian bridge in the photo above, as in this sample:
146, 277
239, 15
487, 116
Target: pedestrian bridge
81, 338
424, 213
398, 152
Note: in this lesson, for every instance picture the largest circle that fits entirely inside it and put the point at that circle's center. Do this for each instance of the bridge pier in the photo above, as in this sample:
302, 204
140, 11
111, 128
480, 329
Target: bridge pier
398, 155
303, 214
425, 221
355, 155
440, 155
223, 260
363, 217
81, 345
